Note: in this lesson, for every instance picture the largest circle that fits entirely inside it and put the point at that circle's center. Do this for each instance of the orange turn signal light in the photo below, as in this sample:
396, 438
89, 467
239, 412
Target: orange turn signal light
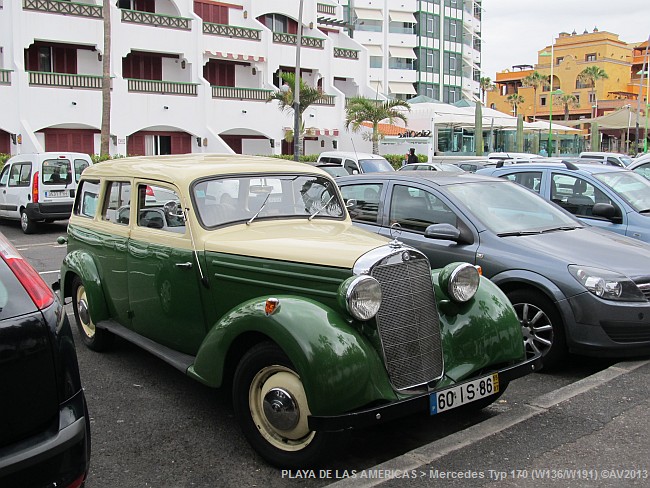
271, 305
479, 269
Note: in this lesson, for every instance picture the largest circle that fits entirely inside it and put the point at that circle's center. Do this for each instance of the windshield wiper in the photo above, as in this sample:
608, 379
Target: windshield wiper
519, 233
261, 208
320, 209
562, 227
645, 210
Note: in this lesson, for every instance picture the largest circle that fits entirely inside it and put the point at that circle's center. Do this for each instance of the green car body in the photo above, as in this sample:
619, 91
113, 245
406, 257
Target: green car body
214, 299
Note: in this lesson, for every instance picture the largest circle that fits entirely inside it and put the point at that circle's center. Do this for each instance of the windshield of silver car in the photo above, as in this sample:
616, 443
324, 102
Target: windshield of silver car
506, 208
222, 201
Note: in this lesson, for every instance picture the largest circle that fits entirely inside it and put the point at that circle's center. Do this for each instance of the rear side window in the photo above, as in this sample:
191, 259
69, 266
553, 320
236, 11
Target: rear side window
530, 179
79, 166
56, 172
87, 197
117, 207
20, 174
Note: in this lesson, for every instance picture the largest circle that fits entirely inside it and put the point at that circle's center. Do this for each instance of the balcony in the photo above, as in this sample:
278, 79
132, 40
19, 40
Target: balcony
161, 87
326, 100
155, 20
341, 52
234, 93
65, 80
5, 77
321, 8
231, 31
64, 7
284, 38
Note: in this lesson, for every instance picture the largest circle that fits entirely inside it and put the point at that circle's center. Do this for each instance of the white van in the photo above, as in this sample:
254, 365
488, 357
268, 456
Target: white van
355, 162
613, 159
40, 187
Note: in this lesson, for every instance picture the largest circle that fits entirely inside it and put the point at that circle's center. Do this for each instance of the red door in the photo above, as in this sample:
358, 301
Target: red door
70, 140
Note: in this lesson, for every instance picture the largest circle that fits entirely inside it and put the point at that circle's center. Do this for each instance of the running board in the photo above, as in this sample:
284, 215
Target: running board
178, 360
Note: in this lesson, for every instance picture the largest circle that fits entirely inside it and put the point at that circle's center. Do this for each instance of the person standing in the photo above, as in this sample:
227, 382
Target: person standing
412, 157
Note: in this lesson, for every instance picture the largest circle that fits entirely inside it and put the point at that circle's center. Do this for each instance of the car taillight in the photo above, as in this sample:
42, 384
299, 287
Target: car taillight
150, 192
35, 188
40, 293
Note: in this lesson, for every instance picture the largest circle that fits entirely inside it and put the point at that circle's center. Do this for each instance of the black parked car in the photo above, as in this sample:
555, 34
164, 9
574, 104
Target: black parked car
44, 424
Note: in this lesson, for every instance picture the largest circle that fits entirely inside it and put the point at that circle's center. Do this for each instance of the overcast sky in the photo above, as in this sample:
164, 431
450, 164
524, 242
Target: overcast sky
514, 30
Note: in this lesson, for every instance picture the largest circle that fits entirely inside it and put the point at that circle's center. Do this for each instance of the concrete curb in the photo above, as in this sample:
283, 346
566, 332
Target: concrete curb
428, 453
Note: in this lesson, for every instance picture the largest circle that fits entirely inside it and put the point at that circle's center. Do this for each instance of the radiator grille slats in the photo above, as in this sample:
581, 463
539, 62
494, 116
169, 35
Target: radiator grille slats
408, 323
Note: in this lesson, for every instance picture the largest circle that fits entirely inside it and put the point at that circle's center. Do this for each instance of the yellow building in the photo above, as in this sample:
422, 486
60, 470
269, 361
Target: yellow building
571, 54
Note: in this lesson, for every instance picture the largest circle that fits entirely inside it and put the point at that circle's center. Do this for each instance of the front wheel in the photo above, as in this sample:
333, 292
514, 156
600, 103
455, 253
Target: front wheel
93, 337
541, 326
271, 407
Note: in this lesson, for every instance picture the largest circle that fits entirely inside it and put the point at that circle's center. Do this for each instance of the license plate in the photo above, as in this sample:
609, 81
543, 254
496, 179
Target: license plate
56, 193
469, 392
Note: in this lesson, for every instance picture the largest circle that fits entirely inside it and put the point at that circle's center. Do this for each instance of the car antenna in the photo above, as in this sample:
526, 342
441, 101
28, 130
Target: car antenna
570, 165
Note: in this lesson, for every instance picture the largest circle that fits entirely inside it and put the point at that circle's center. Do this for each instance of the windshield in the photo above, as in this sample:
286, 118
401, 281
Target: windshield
626, 161
242, 198
631, 186
375, 165
505, 208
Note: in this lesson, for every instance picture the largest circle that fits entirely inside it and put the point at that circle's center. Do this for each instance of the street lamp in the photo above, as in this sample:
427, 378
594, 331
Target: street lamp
551, 93
296, 95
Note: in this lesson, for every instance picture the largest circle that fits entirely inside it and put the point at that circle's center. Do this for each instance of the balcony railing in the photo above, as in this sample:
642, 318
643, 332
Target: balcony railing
326, 100
231, 31
5, 77
235, 93
65, 80
156, 20
64, 7
161, 87
341, 52
284, 38
321, 8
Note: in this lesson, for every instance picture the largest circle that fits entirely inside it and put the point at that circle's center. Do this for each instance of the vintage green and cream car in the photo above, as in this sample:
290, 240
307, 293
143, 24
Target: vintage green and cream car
248, 272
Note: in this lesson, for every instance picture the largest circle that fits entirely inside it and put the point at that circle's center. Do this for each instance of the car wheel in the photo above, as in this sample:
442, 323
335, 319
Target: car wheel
271, 407
541, 326
93, 337
26, 224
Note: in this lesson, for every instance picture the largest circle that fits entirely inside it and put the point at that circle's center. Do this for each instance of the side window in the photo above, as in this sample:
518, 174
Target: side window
85, 204
416, 209
643, 170
159, 208
56, 172
4, 176
530, 179
350, 166
79, 166
20, 174
117, 206
576, 195
367, 197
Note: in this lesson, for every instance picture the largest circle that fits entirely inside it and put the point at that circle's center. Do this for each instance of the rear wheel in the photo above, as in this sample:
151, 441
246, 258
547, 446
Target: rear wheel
271, 407
93, 337
541, 326
26, 224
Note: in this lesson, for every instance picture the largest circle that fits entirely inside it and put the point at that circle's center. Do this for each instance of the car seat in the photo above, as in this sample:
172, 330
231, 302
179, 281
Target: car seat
582, 203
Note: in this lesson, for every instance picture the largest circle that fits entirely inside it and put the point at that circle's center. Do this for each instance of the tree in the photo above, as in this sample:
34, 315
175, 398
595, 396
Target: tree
308, 96
535, 80
515, 99
106, 81
361, 109
589, 76
567, 101
485, 84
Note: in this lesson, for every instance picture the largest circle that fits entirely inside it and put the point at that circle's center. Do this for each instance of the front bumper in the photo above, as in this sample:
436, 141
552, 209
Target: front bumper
50, 211
409, 406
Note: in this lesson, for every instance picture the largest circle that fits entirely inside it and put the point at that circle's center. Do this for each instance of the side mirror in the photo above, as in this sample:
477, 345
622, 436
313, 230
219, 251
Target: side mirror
446, 232
604, 210
355, 172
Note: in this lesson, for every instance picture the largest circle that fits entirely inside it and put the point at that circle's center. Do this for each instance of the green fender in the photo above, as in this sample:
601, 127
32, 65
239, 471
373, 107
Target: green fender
339, 367
81, 263
480, 333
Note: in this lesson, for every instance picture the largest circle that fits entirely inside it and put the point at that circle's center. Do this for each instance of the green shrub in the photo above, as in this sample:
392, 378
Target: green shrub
396, 160
305, 158
3, 159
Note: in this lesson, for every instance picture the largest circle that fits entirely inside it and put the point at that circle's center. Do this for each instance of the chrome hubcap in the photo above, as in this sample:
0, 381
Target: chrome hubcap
280, 409
84, 314
536, 328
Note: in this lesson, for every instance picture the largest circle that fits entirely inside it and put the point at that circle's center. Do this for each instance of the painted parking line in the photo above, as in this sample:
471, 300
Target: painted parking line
48, 272
25, 247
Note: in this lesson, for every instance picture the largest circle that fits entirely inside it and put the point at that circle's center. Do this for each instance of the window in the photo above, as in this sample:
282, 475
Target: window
559, 60
159, 208
592, 98
118, 204
86, 203
575, 194
4, 176
530, 179
376, 62
416, 209
56, 172
432, 61
590, 57
79, 166
367, 201
542, 101
20, 174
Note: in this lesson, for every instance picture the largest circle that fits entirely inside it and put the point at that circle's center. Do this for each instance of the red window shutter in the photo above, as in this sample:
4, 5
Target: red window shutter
127, 72
135, 145
31, 58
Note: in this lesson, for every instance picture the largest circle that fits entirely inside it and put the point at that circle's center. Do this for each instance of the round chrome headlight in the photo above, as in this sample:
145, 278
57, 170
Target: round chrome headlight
463, 282
362, 295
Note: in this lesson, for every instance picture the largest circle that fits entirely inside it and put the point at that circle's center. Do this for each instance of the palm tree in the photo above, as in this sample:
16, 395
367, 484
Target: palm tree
361, 109
567, 101
536, 80
515, 99
106, 81
485, 84
589, 76
308, 96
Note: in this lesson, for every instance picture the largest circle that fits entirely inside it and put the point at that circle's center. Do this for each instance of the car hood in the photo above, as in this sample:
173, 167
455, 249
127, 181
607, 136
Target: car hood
327, 243
590, 246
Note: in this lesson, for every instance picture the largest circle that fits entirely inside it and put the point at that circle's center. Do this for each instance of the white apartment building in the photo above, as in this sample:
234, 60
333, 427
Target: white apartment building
186, 76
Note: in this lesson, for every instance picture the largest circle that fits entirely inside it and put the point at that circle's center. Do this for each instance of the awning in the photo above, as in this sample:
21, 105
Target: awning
376, 86
401, 87
365, 13
235, 56
406, 17
375, 51
402, 52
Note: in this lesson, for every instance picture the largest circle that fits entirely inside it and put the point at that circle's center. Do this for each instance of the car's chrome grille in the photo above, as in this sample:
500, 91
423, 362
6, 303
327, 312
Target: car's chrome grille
645, 289
408, 323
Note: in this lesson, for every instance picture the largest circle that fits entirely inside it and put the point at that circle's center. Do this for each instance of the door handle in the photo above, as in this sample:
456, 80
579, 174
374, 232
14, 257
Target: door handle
187, 265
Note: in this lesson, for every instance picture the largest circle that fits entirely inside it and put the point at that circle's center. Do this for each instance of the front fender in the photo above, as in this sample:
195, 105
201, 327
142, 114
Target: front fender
339, 367
536, 280
480, 333
81, 263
